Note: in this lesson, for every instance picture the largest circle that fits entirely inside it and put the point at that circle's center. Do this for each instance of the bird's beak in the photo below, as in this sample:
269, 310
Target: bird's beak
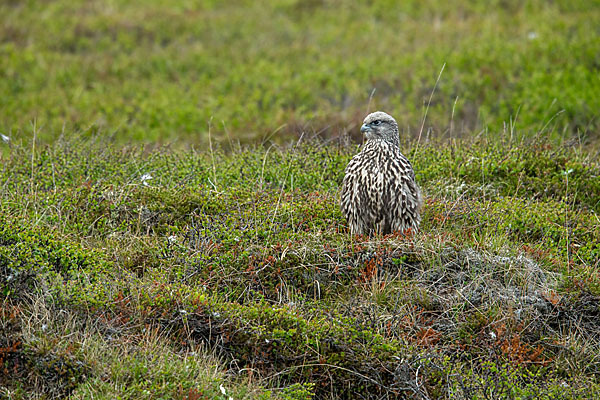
365, 128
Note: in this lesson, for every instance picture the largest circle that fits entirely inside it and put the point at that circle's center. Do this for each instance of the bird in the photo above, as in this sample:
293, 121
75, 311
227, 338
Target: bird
379, 192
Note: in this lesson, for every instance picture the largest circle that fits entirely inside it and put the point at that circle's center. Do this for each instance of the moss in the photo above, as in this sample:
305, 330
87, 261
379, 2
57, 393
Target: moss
539, 173
500, 380
30, 257
250, 257
328, 352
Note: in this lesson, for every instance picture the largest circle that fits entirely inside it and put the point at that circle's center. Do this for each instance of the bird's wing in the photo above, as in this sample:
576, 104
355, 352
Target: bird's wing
357, 203
402, 201
350, 186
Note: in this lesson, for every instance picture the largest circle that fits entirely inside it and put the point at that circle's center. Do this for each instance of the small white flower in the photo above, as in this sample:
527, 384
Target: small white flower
172, 239
532, 35
5, 138
182, 311
222, 388
492, 335
145, 178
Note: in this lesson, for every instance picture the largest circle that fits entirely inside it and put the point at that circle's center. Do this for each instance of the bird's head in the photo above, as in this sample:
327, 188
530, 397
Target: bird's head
379, 125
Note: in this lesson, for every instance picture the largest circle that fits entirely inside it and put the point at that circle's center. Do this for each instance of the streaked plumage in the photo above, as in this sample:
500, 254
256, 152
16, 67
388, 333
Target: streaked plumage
379, 192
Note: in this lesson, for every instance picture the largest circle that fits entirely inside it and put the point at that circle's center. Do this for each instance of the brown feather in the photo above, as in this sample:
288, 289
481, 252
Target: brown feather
379, 192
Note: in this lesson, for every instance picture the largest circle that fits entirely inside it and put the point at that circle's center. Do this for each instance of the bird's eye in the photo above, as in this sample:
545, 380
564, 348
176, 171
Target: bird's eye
377, 122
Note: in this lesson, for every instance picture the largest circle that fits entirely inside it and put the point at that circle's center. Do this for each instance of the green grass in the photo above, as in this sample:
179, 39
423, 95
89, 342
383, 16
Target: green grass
165, 71
246, 254
169, 219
